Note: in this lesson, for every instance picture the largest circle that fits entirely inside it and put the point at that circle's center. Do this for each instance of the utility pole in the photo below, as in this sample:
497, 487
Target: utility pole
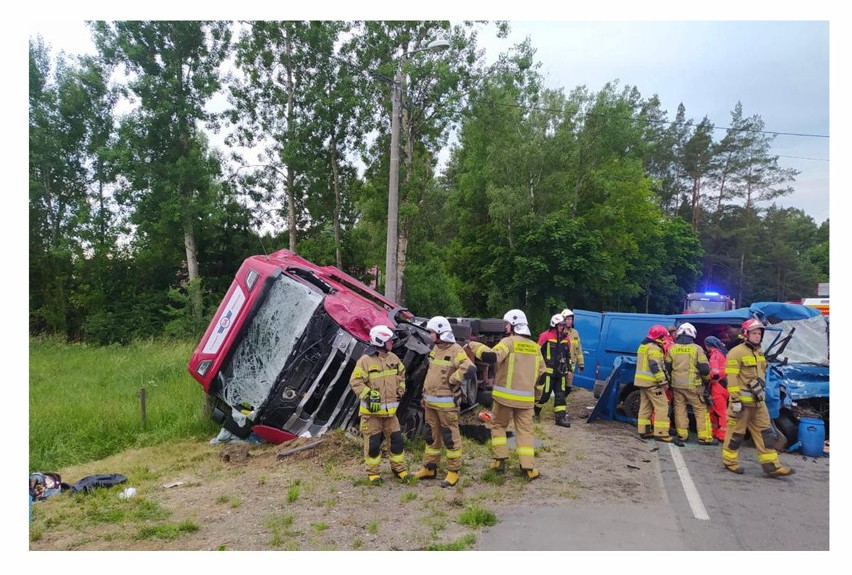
393, 190
391, 248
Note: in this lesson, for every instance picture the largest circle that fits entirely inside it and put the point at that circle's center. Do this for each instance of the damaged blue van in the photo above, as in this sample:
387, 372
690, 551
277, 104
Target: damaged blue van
796, 344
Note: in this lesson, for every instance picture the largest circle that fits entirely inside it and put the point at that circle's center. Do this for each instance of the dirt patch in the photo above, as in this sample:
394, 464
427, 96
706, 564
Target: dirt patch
190, 496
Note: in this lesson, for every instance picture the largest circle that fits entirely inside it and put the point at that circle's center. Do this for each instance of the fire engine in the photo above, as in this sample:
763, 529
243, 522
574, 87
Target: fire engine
707, 302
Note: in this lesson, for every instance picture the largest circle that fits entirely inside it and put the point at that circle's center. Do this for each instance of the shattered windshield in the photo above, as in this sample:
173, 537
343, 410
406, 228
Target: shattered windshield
809, 343
263, 352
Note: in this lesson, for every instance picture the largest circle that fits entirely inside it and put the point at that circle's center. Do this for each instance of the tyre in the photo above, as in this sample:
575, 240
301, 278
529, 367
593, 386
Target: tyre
412, 423
461, 332
788, 426
491, 326
631, 404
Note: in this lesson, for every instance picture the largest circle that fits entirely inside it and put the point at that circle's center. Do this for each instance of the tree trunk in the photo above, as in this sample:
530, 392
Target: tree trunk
338, 257
192, 267
402, 248
696, 191
740, 279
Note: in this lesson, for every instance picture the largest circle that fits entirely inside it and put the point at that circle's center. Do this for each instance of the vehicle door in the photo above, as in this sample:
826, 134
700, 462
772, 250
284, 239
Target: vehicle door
621, 334
588, 324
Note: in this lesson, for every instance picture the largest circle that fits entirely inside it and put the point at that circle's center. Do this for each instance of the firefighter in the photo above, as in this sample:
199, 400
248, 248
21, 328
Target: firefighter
690, 373
519, 370
733, 337
378, 380
668, 341
556, 348
746, 372
449, 366
718, 385
577, 360
651, 382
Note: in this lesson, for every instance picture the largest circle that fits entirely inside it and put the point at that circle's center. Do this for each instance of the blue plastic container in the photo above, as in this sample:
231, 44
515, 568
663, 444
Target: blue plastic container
812, 436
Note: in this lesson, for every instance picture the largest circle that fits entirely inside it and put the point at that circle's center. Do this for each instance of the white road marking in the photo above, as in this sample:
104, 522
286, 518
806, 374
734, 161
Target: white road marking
688, 485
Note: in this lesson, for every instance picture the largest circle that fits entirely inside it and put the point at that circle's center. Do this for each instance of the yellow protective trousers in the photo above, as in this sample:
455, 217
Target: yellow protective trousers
375, 429
691, 396
442, 431
524, 446
653, 400
753, 418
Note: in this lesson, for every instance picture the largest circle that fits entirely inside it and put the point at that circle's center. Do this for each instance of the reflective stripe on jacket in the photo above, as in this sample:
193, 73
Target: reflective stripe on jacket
746, 369
554, 348
448, 364
519, 366
689, 365
649, 365
384, 372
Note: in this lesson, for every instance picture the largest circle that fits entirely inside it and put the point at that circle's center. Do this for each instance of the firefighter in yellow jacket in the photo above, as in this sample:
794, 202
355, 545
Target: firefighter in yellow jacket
520, 368
650, 380
690, 370
746, 371
449, 367
578, 362
378, 380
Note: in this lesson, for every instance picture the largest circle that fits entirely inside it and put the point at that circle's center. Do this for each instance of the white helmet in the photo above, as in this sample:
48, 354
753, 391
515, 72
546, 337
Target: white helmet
518, 320
380, 334
566, 313
556, 319
441, 325
688, 329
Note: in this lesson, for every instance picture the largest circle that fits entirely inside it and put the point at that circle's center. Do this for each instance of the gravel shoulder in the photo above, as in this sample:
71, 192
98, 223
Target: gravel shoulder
197, 496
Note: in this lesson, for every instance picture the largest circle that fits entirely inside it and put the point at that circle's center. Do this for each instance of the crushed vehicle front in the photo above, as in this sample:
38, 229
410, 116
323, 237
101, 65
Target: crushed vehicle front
277, 357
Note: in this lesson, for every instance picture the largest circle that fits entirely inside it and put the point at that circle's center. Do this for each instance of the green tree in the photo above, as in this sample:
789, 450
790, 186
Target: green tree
172, 71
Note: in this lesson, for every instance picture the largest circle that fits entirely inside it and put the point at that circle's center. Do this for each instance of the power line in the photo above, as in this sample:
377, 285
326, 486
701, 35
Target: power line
803, 158
669, 122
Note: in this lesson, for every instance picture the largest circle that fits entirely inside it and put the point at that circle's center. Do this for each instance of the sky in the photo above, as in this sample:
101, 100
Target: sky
778, 70
707, 56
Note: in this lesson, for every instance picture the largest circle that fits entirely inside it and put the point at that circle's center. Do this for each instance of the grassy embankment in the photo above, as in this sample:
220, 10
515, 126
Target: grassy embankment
84, 401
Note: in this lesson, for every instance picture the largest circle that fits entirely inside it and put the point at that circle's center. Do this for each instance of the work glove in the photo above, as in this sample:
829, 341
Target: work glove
374, 401
736, 406
400, 390
568, 390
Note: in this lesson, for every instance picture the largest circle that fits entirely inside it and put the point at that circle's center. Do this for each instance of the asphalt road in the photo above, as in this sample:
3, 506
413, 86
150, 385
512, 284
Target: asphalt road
703, 508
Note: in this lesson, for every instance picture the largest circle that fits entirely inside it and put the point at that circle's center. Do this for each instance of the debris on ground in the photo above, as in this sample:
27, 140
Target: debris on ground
291, 451
235, 453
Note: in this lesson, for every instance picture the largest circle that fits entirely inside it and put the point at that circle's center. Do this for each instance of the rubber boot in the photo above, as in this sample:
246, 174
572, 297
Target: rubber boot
532, 474
451, 479
562, 420
734, 469
402, 476
710, 441
498, 465
670, 439
780, 471
375, 479
429, 471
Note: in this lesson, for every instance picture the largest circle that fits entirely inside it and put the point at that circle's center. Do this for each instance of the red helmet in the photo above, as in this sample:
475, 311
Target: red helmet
752, 324
657, 332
